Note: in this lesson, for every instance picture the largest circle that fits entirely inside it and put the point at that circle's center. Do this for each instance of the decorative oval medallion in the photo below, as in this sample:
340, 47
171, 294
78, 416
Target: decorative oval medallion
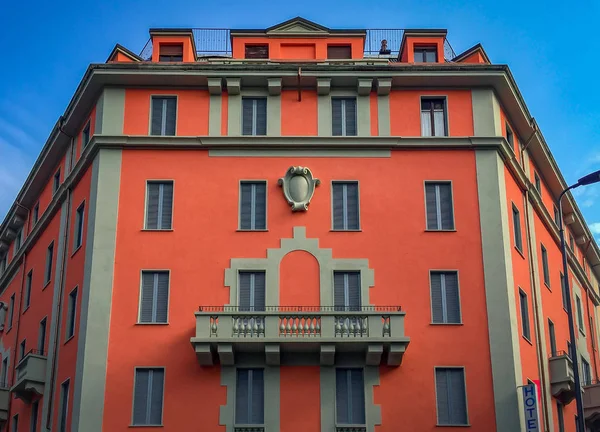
298, 187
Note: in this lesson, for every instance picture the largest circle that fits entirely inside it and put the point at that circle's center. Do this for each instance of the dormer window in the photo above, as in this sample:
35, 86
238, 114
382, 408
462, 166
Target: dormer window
426, 54
171, 53
257, 52
339, 52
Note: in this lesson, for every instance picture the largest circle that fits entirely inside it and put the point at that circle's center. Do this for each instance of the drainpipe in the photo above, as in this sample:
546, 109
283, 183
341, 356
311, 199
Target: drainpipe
539, 333
20, 308
61, 284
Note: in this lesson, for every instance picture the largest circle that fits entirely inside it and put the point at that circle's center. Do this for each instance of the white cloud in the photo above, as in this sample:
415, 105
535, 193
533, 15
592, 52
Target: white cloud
595, 227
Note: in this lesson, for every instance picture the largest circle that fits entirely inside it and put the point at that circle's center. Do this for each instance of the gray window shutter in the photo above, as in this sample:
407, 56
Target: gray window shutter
352, 206
431, 204
140, 396
247, 116
261, 116
253, 205
171, 116
246, 206
258, 400
338, 206
157, 112
443, 398
339, 298
458, 405
446, 206
42, 336
167, 205
156, 396
354, 290
241, 397
260, 203
346, 288
552, 334
244, 288
336, 117
152, 210
437, 302
341, 396
452, 298
350, 117
147, 297
162, 297
579, 313
259, 291
358, 396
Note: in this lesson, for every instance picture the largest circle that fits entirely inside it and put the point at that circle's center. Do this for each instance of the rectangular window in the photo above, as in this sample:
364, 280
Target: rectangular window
256, 51
253, 205
34, 416
56, 182
254, 116
445, 299
571, 243
27, 299
41, 345
18, 241
579, 314
552, 335
439, 206
72, 311
433, 117
251, 291
509, 136
249, 397
349, 396
36, 213
159, 205
426, 54
345, 206
346, 291
339, 52
11, 311
3, 264
592, 333
79, 217
4, 376
22, 348
164, 115
85, 135
148, 396
49, 258
545, 266
154, 299
586, 374
343, 117
561, 416
64, 406
569, 349
517, 228
170, 53
451, 396
556, 216
15, 423
538, 182
524, 315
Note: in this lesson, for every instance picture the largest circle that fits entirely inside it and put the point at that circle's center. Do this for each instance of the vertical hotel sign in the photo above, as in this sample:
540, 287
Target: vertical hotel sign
531, 408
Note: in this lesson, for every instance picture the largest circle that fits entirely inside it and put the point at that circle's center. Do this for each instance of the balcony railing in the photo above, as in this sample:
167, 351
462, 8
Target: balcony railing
249, 428
350, 428
562, 380
31, 376
372, 330
591, 404
216, 42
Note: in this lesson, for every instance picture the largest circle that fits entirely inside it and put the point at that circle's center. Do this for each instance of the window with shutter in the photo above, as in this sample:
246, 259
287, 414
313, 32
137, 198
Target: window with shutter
170, 53
56, 182
34, 416
451, 396
253, 205
545, 268
426, 54
72, 310
579, 314
439, 206
345, 206
18, 241
445, 298
28, 282
343, 117
254, 116
22, 348
79, 217
524, 315
148, 396
11, 311
349, 396
517, 228
433, 117
42, 337
249, 397
164, 115
36, 215
4, 374
256, 51
251, 291
538, 182
3, 264
85, 135
49, 257
64, 406
15, 423
552, 334
509, 135
159, 205
563, 289
339, 52
346, 291
154, 298
561, 416
556, 216
586, 373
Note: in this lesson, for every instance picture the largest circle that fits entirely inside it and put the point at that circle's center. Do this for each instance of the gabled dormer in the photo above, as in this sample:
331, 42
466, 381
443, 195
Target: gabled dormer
298, 39
475, 54
121, 54
422, 46
173, 45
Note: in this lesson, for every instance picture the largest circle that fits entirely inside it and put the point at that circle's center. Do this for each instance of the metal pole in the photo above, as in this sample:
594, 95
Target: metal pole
573, 353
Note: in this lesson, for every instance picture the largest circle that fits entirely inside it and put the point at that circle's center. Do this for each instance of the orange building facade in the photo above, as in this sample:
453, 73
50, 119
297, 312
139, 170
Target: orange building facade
294, 232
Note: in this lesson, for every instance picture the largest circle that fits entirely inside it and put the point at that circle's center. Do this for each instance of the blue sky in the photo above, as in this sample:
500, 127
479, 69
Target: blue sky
548, 45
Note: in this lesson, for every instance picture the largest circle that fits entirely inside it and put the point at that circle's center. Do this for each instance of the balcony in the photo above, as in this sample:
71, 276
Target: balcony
4, 398
591, 405
31, 376
249, 428
562, 381
351, 428
318, 334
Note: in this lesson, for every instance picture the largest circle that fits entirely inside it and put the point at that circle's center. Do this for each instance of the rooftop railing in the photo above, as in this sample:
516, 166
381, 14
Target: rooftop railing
216, 42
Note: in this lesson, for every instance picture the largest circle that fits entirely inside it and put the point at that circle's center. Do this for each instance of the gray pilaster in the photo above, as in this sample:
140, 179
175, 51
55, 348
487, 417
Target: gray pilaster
234, 115
324, 115
486, 113
92, 349
383, 115
274, 115
499, 289
54, 337
214, 115
110, 112
363, 116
